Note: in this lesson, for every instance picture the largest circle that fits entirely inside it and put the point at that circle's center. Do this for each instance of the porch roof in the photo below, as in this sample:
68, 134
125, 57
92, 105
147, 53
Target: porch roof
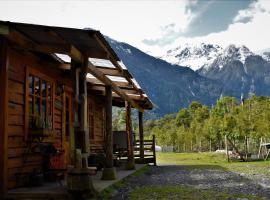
64, 44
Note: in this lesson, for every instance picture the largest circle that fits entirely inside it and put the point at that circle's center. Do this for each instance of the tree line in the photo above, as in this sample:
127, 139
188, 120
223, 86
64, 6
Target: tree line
243, 125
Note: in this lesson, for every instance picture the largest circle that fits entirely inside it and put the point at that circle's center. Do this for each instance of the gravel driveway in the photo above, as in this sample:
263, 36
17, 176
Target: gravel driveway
213, 179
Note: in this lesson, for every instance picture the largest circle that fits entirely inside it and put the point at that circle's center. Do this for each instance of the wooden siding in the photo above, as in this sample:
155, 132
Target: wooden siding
3, 115
98, 112
17, 118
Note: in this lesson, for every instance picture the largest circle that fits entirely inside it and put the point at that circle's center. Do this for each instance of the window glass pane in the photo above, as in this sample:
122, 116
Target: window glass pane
49, 89
37, 106
49, 108
30, 80
37, 86
31, 123
43, 88
30, 105
43, 107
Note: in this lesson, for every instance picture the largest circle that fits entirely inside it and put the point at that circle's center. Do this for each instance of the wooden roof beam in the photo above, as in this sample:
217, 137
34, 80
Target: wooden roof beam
102, 88
27, 43
103, 78
117, 65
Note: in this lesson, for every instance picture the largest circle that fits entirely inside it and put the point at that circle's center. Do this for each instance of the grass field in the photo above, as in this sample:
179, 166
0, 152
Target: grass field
214, 161
184, 193
188, 192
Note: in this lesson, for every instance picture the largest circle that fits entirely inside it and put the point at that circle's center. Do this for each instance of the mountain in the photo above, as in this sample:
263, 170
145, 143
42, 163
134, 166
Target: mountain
193, 56
170, 87
266, 56
238, 70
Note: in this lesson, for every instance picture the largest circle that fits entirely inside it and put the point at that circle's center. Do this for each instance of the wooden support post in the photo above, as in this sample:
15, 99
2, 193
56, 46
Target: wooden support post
210, 145
259, 153
154, 150
130, 162
83, 112
226, 148
246, 148
72, 138
3, 116
109, 170
141, 136
79, 178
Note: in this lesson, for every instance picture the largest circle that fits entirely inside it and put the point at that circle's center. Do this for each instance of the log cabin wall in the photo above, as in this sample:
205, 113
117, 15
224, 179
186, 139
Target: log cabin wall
96, 120
20, 161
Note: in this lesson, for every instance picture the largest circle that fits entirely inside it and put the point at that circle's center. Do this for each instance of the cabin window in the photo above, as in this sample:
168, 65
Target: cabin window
40, 102
91, 120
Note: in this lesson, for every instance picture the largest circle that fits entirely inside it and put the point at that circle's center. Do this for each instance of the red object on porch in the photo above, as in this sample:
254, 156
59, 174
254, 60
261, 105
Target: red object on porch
57, 161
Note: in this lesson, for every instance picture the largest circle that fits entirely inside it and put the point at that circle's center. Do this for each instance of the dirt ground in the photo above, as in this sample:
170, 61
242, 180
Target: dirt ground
210, 179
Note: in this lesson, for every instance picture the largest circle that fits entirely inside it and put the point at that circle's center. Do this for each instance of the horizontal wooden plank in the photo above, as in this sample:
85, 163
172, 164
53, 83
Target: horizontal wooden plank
58, 126
16, 141
12, 184
15, 109
58, 119
18, 162
15, 87
15, 119
16, 98
16, 130
16, 76
16, 152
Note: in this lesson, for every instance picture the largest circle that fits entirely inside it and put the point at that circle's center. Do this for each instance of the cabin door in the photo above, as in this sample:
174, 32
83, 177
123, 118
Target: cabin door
68, 123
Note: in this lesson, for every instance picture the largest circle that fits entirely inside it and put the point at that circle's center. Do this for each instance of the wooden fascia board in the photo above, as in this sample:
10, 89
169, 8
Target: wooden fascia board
24, 42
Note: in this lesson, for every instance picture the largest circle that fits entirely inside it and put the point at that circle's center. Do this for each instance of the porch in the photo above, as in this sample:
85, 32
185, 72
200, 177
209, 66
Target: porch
57, 191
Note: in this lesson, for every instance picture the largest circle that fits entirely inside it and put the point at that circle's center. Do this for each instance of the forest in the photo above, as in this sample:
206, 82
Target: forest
243, 124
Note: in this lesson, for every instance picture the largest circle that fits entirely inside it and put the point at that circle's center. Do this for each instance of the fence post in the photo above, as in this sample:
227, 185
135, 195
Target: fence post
154, 150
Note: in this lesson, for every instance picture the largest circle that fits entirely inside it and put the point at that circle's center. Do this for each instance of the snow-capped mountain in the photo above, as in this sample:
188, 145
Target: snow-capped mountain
229, 54
230, 71
266, 56
193, 56
239, 70
170, 87
204, 56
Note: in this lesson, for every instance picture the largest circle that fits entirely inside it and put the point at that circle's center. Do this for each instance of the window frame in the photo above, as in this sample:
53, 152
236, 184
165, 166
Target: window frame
42, 77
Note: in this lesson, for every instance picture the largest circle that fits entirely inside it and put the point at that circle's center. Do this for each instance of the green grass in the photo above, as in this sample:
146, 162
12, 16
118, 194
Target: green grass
193, 161
214, 161
105, 194
180, 192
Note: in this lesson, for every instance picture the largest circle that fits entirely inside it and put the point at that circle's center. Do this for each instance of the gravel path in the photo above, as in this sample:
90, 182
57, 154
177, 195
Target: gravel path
216, 180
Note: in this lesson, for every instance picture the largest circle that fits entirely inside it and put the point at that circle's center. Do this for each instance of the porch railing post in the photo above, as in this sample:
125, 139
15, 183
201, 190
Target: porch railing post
141, 136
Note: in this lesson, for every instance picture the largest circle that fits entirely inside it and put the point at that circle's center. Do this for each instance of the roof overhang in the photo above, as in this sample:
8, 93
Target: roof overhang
66, 44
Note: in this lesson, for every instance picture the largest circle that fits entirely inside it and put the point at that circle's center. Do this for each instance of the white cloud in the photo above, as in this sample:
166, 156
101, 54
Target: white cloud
129, 21
254, 33
134, 21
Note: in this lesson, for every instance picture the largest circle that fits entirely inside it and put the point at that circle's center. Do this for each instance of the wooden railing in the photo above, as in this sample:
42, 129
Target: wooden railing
149, 153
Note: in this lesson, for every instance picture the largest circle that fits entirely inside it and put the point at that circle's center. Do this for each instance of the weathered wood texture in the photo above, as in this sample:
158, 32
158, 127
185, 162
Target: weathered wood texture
129, 134
96, 121
109, 135
141, 134
20, 160
3, 116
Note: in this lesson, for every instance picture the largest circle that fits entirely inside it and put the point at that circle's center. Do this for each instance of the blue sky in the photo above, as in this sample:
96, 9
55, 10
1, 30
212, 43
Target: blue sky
154, 26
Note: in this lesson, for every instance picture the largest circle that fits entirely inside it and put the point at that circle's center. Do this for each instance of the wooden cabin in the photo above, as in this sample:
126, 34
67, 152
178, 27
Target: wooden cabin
58, 86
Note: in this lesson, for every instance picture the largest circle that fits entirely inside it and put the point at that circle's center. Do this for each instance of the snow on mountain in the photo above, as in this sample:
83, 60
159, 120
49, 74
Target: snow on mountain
266, 56
204, 56
193, 56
